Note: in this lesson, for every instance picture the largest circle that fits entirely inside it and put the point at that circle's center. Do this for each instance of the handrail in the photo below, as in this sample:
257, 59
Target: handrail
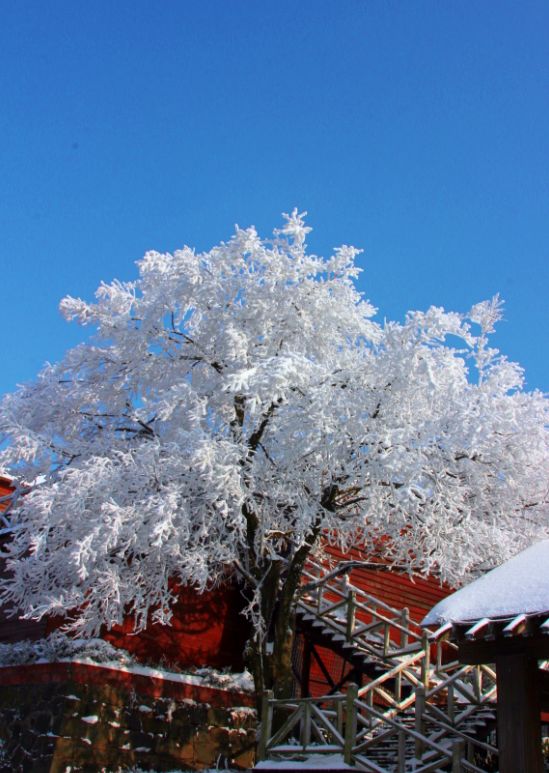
325, 610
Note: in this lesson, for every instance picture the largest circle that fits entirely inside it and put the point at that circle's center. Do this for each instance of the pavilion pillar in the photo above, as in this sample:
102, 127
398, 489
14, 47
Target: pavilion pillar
518, 711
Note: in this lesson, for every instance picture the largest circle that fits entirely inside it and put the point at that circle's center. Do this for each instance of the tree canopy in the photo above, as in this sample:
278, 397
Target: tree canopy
237, 407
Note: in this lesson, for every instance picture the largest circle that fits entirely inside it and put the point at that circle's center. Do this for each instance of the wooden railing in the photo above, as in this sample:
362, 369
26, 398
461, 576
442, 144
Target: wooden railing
306, 726
363, 619
343, 724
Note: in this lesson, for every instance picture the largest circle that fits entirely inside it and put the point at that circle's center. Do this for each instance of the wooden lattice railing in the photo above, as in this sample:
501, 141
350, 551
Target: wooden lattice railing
363, 619
419, 714
346, 725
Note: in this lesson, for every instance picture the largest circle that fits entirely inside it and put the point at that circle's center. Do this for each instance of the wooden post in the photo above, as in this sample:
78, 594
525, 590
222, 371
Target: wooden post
386, 639
398, 687
405, 623
458, 752
306, 668
319, 588
305, 734
420, 710
426, 662
351, 614
350, 723
477, 683
266, 724
401, 759
519, 727
370, 703
450, 703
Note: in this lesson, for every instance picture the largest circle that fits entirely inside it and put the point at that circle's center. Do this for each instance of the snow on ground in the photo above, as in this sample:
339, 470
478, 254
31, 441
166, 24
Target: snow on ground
313, 762
520, 585
203, 677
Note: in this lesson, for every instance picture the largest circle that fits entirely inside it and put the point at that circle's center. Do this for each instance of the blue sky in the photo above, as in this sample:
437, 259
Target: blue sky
415, 130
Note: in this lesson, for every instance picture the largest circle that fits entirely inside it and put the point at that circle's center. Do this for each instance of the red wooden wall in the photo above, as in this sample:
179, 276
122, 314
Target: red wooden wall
396, 588
207, 629
5, 490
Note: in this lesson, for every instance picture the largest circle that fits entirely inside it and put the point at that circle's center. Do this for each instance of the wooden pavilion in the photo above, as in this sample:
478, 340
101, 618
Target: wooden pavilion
503, 618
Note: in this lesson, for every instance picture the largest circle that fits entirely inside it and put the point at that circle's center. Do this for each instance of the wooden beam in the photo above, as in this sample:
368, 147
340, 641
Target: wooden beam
519, 725
482, 651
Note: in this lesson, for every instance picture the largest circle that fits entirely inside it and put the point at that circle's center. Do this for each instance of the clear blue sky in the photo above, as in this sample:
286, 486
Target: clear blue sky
416, 130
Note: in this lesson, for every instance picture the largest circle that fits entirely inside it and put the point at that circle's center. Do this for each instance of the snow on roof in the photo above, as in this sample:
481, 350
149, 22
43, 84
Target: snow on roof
520, 585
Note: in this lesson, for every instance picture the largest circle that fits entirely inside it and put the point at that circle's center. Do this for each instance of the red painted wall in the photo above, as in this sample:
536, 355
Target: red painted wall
207, 629
395, 588
5, 490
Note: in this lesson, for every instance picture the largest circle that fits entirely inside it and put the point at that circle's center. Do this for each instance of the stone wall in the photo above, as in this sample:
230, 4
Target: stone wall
75, 717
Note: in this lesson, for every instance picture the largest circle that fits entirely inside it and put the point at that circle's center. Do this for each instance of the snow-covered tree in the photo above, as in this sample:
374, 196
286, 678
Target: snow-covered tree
235, 410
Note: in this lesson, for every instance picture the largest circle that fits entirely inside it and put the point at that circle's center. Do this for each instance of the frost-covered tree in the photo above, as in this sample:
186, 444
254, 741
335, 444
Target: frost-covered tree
239, 408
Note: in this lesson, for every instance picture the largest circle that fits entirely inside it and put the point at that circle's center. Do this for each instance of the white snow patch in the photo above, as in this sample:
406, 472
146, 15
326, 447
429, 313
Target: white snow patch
520, 585
92, 719
58, 647
241, 682
242, 712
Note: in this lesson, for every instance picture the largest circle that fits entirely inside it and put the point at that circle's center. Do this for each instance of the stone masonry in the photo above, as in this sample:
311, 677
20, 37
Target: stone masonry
69, 725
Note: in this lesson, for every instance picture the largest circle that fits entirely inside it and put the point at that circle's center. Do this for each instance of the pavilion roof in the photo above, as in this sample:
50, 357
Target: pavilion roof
508, 599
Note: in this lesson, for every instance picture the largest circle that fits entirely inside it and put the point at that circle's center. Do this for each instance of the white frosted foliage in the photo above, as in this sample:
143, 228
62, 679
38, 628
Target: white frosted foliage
235, 405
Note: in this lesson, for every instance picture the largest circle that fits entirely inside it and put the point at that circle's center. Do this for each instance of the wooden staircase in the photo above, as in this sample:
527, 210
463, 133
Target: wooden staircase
416, 709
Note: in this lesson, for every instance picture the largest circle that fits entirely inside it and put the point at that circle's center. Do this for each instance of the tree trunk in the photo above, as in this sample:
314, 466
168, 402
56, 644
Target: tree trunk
271, 670
270, 660
282, 672
269, 653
